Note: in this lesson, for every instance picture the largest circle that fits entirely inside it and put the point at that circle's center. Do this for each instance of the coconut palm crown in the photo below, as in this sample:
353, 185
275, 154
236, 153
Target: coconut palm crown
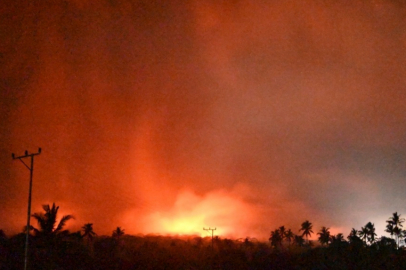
47, 221
307, 229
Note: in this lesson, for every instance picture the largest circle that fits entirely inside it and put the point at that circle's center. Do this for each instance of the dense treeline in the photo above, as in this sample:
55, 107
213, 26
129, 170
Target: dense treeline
160, 252
51, 247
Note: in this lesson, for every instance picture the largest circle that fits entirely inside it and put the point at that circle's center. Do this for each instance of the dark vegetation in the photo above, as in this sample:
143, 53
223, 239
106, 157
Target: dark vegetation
52, 247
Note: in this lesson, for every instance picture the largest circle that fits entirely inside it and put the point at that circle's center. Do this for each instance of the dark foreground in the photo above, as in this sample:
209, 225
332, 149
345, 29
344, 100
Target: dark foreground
159, 252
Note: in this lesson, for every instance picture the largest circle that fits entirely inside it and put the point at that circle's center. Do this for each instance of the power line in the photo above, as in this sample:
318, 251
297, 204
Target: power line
31, 169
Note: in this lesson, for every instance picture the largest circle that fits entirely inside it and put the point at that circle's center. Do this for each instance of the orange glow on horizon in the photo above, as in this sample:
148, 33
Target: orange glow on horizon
182, 225
230, 215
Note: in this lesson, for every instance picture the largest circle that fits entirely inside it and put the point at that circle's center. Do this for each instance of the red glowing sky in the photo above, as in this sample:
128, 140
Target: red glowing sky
171, 116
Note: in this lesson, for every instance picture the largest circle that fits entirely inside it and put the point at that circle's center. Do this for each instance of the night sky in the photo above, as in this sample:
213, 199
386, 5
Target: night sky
171, 116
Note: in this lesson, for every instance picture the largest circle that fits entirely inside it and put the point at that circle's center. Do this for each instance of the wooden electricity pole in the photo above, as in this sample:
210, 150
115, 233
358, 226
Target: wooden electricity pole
31, 168
212, 230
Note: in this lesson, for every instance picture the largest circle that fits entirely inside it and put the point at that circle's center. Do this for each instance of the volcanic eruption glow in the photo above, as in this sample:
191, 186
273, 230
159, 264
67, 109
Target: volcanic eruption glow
170, 116
230, 215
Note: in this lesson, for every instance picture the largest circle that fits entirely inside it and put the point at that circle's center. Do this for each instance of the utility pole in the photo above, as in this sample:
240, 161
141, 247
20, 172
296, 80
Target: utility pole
31, 169
212, 230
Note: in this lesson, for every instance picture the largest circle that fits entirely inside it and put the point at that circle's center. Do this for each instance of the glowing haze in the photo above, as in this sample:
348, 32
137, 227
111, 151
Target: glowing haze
170, 116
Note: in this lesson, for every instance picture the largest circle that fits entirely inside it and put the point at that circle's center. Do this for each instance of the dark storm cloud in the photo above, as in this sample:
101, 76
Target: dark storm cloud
289, 110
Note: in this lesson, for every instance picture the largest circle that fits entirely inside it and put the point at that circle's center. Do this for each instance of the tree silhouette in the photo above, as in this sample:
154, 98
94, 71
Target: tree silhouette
307, 229
276, 238
48, 222
371, 232
394, 226
389, 228
324, 235
88, 232
367, 233
363, 233
339, 238
50, 238
298, 240
118, 232
246, 242
353, 236
289, 236
386, 243
282, 232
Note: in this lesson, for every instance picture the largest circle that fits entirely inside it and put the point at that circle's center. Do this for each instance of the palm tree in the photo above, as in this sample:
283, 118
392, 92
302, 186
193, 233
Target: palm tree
324, 236
396, 220
394, 226
276, 238
368, 233
282, 232
337, 238
307, 229
397, 232
340, 237
88, 231
363, 233
353, 236
47, 222
289, 236
389, 229
117, 233
371, 230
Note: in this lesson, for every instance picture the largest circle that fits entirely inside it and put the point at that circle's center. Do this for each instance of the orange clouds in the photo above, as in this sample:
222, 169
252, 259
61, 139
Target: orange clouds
168, 117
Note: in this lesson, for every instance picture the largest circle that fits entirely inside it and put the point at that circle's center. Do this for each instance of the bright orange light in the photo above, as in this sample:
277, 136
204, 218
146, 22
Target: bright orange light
182, 225
191, 213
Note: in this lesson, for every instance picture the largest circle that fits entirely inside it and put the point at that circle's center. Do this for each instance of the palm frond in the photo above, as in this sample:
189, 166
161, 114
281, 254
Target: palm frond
62, 222
42, 221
